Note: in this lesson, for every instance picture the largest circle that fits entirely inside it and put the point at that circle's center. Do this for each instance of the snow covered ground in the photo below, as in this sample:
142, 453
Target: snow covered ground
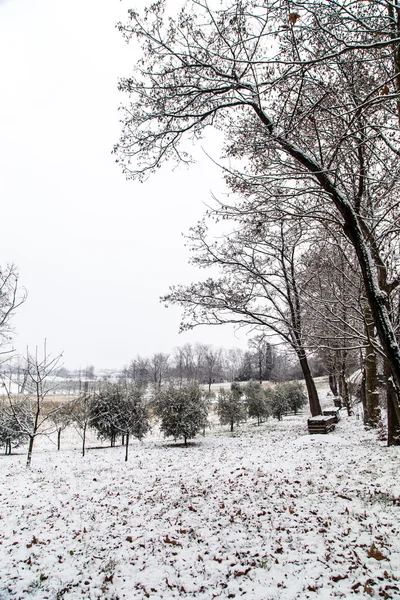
268, 513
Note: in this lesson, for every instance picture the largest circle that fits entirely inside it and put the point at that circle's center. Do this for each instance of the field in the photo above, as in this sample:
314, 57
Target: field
268, 513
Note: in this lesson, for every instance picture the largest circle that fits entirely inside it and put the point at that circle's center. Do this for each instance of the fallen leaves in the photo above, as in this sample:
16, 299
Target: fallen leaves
375, 553
168, 540
293, 17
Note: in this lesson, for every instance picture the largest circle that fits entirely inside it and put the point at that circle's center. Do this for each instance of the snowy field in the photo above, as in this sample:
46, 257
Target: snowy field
268, 513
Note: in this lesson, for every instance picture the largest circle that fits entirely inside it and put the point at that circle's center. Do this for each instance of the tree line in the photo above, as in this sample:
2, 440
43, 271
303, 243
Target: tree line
125, 410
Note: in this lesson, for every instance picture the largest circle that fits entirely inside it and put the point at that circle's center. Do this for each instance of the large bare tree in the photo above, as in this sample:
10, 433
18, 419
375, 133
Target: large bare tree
257, 287
307, 95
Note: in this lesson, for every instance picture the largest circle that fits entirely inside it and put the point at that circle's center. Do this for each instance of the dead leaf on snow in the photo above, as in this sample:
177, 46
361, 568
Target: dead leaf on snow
293, 17
241, 573
374, 552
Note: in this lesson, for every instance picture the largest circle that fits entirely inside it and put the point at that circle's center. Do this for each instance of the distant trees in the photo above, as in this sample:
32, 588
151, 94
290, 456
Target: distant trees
182, 410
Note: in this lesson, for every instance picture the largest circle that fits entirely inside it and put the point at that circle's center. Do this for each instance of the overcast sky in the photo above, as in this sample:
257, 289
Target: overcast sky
94, 251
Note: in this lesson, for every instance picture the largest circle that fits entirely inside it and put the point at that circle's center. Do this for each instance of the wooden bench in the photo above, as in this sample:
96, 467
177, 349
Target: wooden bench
321, 424
332, 412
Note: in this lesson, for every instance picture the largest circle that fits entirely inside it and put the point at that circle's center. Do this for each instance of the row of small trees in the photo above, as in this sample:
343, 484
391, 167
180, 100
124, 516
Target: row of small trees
124, 410
253, 401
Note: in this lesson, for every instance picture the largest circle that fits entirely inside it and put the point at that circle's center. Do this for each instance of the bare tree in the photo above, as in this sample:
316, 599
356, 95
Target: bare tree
259, 286
32, 415
212, 363
233, 360
159, 364
307, 91
263, 355
11, 297
82, 415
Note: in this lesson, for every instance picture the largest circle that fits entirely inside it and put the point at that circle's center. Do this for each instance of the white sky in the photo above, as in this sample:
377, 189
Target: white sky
95, 252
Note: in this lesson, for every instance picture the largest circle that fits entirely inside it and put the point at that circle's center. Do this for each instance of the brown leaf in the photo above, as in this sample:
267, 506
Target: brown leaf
384, 90
168, 540
293, 17
241, 573
337, 578
374, 552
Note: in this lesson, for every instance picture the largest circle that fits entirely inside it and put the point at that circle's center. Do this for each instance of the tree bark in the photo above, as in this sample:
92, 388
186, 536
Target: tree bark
393, 421
315, 407
83, 440
126, 447
30, 450
344, 391
333, 384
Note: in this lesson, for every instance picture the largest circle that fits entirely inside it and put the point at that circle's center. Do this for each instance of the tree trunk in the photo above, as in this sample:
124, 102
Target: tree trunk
315, 407
58, 439
231, 425
126, 446
373, 412
30, 450
83, 441
393, 421
344, 391
333, 384
363, 400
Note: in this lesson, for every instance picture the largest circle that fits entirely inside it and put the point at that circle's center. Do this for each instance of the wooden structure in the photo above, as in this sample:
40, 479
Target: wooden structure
321, 424
332, 412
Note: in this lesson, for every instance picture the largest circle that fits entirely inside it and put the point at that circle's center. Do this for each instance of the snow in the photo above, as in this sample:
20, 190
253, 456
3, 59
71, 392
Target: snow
267, 513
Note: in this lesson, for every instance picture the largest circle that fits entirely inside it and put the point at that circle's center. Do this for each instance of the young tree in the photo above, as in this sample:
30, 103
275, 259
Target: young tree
231, 408
277, 401
62, 419
12, 431
257, 406
182, 410
293, 392
133, 416
82, 415
106, 406
32, 415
